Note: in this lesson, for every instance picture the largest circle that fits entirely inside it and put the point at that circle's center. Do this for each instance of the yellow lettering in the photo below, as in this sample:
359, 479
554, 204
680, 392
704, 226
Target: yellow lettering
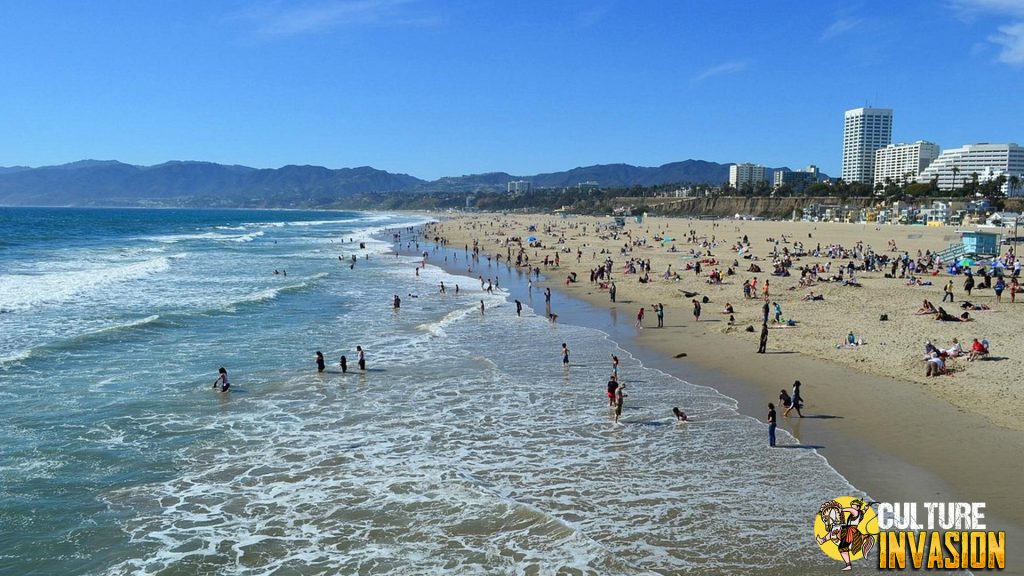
997, 550
952, 539
916, 550
977, 549
934, 551
892, 551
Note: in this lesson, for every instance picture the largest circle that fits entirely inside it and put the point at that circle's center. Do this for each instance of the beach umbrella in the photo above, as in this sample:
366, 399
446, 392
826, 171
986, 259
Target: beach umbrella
966, 262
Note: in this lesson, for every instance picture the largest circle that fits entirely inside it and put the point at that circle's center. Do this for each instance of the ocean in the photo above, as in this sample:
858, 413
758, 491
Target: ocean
464, 448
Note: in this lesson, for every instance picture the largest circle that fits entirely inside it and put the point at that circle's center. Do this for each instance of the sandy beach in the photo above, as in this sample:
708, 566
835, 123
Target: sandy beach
870, 410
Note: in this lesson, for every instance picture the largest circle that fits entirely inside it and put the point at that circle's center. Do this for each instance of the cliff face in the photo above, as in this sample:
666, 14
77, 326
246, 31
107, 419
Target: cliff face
725, 206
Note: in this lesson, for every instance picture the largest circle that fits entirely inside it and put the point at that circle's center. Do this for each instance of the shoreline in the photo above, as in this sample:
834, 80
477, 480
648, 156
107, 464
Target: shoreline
887, 437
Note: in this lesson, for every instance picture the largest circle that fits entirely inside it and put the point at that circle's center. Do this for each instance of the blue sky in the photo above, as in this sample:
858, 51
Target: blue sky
436, 88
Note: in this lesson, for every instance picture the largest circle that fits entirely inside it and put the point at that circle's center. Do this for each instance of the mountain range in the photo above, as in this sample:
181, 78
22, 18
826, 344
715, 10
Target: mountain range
177, 183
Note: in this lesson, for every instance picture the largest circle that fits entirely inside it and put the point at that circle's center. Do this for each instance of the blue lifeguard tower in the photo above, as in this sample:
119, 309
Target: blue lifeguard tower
980, 243
974, 244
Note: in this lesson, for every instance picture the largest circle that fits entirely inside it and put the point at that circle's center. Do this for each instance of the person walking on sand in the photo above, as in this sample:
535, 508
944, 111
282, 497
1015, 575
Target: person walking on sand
639, 318
696, 310
948, 291
320, 365
222, 380
763, 345
565, 355
764, 312
796, 401
362, 358
771, 425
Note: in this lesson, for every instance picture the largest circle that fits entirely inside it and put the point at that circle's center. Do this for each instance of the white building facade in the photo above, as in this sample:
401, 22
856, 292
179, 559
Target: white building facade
899, 162
864, 131
798, 179
520, 186
956, 167
740, 174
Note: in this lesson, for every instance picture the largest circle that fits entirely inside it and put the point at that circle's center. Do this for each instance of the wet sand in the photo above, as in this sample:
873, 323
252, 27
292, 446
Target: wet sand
896, 439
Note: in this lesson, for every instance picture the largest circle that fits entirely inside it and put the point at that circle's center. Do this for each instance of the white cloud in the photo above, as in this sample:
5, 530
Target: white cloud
726, 68
732, 67
1011, 38
970, 8
286, 19
840, 26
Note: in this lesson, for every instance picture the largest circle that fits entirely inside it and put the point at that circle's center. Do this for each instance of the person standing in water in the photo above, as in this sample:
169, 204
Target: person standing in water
362, 358
620, 395
796, 402
565, 355
222, 380
320, 365
481, 307
613, 385
519, 308
771, 425
344, 364
397, 302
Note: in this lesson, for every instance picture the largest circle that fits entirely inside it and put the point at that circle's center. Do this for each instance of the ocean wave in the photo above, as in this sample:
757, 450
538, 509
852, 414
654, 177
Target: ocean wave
216, 236
76, 341
20, 292
269, 294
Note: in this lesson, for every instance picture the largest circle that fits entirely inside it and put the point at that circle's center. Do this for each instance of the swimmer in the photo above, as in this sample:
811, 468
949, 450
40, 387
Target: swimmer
320, 361
222, 380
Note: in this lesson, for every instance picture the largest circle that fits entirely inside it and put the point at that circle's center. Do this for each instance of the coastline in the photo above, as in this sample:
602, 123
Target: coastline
888, 437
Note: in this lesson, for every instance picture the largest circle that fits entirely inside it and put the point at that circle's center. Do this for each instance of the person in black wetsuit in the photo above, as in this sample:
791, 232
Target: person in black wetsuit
320, 365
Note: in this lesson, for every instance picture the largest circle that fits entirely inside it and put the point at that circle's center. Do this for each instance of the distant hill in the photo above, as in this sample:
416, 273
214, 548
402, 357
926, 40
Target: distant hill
113, 183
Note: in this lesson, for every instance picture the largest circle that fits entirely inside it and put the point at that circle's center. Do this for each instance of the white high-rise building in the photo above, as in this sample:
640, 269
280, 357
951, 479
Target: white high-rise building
864, 131
899, 161
740, 174
956, 167
520, 186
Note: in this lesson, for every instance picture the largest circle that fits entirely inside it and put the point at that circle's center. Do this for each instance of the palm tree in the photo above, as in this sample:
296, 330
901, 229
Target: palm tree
1014, 184
956, 172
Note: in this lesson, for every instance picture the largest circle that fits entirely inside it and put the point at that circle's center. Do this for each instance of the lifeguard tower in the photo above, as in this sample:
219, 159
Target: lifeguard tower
974, 244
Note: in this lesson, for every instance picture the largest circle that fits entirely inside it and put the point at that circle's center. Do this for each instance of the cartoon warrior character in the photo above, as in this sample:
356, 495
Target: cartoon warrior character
841, 529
